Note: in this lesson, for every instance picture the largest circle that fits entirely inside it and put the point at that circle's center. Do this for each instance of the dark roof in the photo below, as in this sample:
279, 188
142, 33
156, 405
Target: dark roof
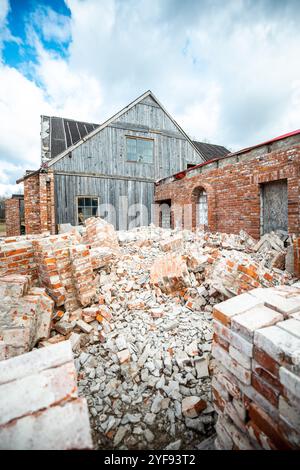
66, 132
210, 151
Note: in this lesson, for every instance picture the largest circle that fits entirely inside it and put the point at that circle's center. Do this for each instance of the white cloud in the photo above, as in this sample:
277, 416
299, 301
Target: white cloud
230, 75
52, 25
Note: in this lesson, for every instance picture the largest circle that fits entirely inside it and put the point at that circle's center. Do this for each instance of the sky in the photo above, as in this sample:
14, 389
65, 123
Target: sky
228, 71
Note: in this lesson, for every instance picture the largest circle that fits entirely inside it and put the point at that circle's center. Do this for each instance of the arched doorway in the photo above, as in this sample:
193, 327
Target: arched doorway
202, 208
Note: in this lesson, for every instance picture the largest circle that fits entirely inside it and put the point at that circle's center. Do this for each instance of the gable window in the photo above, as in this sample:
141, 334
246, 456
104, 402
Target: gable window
86, 207
139, 150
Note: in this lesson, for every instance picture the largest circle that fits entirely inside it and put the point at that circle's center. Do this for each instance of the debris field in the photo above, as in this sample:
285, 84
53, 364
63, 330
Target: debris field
137, 308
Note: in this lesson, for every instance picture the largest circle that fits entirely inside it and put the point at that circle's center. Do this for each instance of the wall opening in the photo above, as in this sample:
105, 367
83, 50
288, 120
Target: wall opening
273, 206
165, 213
202, 208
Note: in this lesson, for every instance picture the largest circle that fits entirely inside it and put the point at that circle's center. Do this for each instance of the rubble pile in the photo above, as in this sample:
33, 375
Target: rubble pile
49, 414
256, 384
136, 307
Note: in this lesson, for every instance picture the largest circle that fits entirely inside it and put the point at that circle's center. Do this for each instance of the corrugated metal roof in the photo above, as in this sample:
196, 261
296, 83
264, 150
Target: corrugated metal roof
66, 132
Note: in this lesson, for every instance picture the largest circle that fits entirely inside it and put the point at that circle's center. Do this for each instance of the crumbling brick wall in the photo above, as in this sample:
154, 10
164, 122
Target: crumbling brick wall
12, 217
39, 203
233, 189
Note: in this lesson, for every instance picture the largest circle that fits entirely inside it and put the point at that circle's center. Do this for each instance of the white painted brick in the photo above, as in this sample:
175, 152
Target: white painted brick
230, 410
231, 364
223, 435
255, 318
282, 299
239, 438
291, 326
290, 381
37, 391
57, 428
236, 305
245, 361
240, 409
289, 412
35, 361
237, 341
229, 383
220, 389
279, 344
261, 401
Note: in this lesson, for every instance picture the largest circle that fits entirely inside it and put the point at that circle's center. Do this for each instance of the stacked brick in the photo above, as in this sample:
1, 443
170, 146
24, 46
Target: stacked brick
25, 315
49, 415
256, 383
12, 220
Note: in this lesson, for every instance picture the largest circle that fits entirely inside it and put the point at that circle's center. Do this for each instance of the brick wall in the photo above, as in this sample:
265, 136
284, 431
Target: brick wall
39, 203
12, 217
233, 189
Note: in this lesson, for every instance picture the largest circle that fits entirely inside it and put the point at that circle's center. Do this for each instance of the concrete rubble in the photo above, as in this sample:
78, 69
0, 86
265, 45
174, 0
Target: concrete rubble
49, 414
136, 307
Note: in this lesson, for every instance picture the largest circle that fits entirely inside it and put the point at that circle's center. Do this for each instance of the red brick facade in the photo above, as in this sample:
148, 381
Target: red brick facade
232, 185
12, 217
39, 203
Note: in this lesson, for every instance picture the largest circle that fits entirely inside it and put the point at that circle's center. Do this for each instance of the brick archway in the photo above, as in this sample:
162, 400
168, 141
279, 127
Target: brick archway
194, 198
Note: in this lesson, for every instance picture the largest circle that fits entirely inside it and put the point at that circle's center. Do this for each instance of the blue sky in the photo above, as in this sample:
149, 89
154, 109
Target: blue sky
20, 14
228, 71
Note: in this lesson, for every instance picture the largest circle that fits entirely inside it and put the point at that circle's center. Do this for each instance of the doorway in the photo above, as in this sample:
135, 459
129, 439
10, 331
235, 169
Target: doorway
274, 206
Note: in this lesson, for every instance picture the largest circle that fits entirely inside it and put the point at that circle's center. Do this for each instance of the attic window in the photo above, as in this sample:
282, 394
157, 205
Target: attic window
139, 149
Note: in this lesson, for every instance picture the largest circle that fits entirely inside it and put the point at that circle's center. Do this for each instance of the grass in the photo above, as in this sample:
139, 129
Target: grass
2, 228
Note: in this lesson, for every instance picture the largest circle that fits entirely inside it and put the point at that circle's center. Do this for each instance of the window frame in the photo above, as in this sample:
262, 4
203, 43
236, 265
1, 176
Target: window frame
86, 196
134, 137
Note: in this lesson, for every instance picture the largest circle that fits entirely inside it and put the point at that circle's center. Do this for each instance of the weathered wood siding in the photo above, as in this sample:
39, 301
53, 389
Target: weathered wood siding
109, 191
104, 155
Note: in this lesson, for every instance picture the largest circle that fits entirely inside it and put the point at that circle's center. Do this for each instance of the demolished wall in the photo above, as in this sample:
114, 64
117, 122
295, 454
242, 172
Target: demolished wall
233, 190
142, 342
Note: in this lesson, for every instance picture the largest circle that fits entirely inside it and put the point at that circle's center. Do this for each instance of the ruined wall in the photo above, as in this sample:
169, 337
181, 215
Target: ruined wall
233, 189
39, 203
12, 217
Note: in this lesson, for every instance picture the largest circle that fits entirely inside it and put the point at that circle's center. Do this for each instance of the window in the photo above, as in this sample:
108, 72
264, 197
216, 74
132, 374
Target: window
202, 207
139, 150
86, 207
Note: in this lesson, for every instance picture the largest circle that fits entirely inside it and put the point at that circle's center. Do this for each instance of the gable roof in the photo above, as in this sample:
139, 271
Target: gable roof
63, 133
210, 151
116, 116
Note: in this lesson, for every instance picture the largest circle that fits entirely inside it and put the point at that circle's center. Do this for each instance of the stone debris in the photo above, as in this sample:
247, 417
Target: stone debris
256, 385
136, 308
49, 415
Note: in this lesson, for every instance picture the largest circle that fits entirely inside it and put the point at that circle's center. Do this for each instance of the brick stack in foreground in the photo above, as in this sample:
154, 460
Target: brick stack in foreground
39, 404
25, 315
256, 386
